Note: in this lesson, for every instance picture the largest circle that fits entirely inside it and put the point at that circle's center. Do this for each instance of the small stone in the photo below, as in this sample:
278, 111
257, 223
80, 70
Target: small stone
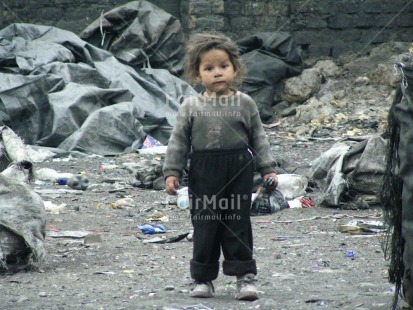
362, 81
92, 239
169, 288
367, 285
21, 299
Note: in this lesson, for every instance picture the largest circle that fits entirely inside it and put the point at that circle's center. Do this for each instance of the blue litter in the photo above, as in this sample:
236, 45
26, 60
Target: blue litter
350, 254
150, 230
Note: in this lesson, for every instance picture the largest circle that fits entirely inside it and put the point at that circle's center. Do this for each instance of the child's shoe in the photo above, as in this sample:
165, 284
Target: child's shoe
246, 289
202, 289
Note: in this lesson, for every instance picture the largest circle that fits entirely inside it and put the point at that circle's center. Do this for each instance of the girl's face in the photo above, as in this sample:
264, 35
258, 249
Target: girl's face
216, 72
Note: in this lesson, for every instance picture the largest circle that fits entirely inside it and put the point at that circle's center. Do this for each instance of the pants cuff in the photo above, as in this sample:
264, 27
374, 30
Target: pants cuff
239, 268
203, 272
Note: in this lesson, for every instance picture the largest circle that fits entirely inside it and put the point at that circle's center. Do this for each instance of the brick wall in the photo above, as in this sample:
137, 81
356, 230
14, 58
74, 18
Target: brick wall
320, 27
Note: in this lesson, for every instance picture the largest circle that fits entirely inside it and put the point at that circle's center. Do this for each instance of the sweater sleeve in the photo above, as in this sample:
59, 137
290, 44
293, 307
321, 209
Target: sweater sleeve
179, 143
259, 143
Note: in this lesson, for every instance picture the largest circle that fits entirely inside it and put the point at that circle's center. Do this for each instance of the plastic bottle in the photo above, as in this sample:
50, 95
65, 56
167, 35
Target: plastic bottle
183, 198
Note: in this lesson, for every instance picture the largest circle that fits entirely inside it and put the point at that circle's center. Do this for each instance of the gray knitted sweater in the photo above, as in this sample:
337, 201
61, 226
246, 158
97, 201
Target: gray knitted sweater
217, 123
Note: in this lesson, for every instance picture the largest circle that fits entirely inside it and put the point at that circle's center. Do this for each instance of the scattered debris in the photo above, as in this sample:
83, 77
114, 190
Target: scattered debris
52, 208
92, 239
157, 216
76, 234
301, 202
349, 170
150, 229
78, 181
362, 227
167, 240
123, 202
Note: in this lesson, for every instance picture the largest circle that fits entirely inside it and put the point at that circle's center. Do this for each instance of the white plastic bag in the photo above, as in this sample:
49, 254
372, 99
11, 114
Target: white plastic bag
292, 185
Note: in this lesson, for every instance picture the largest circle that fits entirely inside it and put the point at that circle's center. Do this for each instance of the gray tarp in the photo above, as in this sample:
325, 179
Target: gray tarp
269, 58
138, 32
349, 170
22, 212
22, 225
57, 90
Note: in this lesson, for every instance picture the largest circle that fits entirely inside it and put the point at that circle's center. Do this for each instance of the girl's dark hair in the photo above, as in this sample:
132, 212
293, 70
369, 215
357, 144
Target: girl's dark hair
200, 43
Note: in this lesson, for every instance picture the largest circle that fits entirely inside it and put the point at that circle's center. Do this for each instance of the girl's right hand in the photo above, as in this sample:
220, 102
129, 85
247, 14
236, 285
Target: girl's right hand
171, 185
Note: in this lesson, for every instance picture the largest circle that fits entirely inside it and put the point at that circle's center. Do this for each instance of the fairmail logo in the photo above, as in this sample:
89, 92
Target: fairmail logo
213, 203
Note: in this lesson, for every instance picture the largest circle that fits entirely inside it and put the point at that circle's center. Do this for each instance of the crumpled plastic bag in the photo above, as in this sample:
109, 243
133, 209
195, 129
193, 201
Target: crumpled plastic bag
22, 226
292, 185
268, 201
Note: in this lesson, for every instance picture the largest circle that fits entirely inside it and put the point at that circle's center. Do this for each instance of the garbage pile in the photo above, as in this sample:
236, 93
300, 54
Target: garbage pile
22, 211
104, 91
350, 174
58, 90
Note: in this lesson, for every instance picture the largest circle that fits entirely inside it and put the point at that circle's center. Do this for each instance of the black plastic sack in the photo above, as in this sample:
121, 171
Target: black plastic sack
269, 58
140, 34
267, 202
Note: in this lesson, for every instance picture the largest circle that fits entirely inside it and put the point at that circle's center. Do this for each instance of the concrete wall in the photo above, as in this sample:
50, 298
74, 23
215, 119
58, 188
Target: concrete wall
320, 27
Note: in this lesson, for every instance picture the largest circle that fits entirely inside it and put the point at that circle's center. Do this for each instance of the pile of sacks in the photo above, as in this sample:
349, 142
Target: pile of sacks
22, 212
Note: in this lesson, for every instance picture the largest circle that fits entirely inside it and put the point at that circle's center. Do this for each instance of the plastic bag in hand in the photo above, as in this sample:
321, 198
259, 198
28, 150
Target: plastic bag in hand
268, 201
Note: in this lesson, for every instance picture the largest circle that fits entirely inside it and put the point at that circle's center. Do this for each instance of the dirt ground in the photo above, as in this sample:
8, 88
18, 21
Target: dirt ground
304, 262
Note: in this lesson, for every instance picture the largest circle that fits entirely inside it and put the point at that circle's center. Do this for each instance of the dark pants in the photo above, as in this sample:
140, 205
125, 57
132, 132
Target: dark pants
220, 184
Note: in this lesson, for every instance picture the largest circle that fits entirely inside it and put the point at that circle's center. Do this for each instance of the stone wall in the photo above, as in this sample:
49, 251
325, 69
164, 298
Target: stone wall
319, 27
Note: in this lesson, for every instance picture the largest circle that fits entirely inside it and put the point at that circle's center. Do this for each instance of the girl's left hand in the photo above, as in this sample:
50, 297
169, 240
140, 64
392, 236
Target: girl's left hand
271, 175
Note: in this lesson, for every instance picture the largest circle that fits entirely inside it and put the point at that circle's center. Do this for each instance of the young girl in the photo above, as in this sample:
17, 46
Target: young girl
221, 131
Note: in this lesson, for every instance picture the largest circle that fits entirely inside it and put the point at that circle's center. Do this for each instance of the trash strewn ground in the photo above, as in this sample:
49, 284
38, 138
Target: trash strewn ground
308, 257
98, 258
